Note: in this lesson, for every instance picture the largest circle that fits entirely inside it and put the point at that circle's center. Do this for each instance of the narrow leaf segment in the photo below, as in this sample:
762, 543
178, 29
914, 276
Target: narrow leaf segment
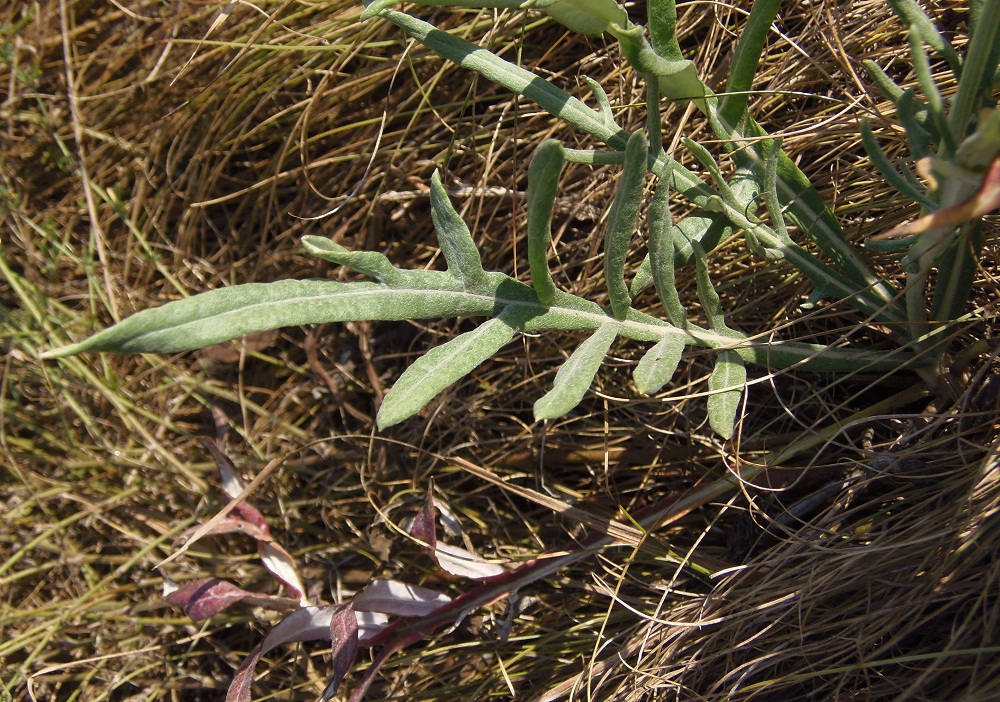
543, 182
444, 365
726, 384
621, 222
576, 374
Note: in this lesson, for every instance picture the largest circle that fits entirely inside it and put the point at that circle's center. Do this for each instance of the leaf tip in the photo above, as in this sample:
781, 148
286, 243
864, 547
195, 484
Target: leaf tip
61, 351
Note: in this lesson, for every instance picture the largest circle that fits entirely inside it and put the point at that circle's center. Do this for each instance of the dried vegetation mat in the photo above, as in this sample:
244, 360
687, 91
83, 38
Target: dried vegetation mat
151, 150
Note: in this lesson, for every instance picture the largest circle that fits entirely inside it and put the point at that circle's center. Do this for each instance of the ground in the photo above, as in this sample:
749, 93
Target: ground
152, 150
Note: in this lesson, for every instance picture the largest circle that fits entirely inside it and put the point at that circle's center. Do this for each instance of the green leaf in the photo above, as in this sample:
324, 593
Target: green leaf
621, 221
980, 67
370, 263
935, 103
918, 137
576, 374
707, 161
456, 240
523, 82
956, 273
662, 18
887, 86
982, 146
775, 211
859, 285
662, 235
603, 103
889, 171
677, 78
726, 384
220, 315
444, 365
588, 16
543, 182
707, 295
913, 16
658, 365
746, 57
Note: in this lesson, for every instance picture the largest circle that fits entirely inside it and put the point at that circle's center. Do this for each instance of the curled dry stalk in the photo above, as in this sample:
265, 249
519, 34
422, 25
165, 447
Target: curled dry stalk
963, 185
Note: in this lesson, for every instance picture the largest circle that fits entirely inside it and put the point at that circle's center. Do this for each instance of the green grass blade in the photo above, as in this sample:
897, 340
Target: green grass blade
621, 222
444, 365
576, 374
456, 240
543, 182
658, 365
726, 384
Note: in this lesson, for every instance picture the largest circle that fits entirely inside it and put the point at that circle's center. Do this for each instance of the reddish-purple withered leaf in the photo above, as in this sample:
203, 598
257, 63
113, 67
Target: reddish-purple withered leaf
232, 485
401, 599
305, 624
344, 636
451, 559
246, 518
424, 527
459, 561
201, 599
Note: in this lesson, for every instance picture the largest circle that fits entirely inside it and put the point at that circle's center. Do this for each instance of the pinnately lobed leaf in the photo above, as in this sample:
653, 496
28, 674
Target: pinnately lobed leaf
726, 384
576, 375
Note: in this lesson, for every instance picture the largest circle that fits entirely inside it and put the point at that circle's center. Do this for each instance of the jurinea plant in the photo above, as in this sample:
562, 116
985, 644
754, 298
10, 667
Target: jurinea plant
957, 146
765, 175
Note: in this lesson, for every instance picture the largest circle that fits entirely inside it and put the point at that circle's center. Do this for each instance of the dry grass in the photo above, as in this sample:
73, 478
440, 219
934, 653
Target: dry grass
141, 164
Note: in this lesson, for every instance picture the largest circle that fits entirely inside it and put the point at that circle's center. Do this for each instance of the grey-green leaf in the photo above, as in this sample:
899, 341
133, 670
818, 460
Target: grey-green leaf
621, 222
726, 384
662, 15
662, 235
220, 315
707, 295
371, 263
658, 365
746, 59
543, 182
456, 240
576, 375
444, 365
